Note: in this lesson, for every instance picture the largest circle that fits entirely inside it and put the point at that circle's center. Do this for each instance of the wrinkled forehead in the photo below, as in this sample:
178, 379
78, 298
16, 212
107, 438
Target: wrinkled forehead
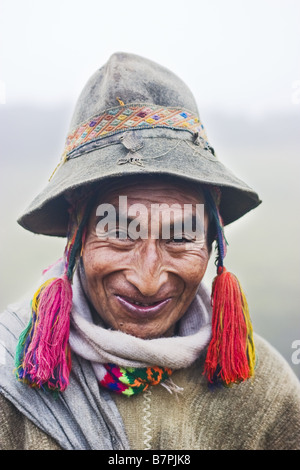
150, 189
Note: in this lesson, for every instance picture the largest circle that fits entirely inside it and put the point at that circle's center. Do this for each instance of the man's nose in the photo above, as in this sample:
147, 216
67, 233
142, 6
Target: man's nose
147, 272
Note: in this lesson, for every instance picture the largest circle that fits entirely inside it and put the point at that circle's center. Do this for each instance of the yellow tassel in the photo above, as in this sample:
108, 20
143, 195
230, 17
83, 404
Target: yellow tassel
63, 160
121, 103
250, 344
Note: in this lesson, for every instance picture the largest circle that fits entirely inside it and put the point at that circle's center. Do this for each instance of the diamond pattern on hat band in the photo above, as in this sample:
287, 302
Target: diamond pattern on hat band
133, 116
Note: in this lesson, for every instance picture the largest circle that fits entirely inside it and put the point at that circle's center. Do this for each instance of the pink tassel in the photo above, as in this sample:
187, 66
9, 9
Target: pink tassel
47, 360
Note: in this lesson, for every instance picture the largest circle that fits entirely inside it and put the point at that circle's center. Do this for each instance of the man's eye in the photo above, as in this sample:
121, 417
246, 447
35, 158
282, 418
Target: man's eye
180, 240
121, 234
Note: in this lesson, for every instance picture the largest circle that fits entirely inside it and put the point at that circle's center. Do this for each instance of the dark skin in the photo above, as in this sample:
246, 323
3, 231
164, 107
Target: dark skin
143, 287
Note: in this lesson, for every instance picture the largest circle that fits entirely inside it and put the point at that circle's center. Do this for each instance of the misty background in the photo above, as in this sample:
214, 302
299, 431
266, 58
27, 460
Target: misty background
242, 62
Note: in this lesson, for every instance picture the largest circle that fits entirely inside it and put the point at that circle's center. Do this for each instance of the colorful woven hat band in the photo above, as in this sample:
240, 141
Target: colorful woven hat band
127, 117
43, 357
231, 354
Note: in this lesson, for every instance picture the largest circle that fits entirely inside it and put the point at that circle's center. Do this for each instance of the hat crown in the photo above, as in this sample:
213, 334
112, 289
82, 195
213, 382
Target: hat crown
131, 79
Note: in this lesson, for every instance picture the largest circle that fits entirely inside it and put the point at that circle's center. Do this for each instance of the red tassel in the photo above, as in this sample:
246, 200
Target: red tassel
230, 354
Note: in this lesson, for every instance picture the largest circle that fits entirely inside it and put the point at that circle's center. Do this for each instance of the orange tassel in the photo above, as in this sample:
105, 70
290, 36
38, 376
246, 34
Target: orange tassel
231, 355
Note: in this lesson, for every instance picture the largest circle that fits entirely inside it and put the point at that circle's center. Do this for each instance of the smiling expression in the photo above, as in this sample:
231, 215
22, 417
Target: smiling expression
143, 286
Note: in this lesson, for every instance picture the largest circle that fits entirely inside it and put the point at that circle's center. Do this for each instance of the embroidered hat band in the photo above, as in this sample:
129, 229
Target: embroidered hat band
130, 117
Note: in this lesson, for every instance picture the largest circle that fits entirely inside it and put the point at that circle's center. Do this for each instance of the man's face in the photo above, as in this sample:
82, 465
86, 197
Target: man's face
143, 286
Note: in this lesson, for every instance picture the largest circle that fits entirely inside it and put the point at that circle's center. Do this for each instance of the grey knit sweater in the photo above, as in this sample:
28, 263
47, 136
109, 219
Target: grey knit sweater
263, 413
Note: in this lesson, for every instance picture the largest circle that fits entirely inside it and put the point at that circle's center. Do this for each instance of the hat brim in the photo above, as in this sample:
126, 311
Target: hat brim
163, 153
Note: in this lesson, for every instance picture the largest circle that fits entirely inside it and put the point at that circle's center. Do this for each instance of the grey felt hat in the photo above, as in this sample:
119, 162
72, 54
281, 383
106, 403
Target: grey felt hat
134, 117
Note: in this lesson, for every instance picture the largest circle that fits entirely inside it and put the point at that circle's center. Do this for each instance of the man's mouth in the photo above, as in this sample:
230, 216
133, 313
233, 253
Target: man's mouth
142, 308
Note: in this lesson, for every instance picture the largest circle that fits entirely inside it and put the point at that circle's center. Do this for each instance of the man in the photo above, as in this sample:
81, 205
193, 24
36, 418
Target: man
121, 346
